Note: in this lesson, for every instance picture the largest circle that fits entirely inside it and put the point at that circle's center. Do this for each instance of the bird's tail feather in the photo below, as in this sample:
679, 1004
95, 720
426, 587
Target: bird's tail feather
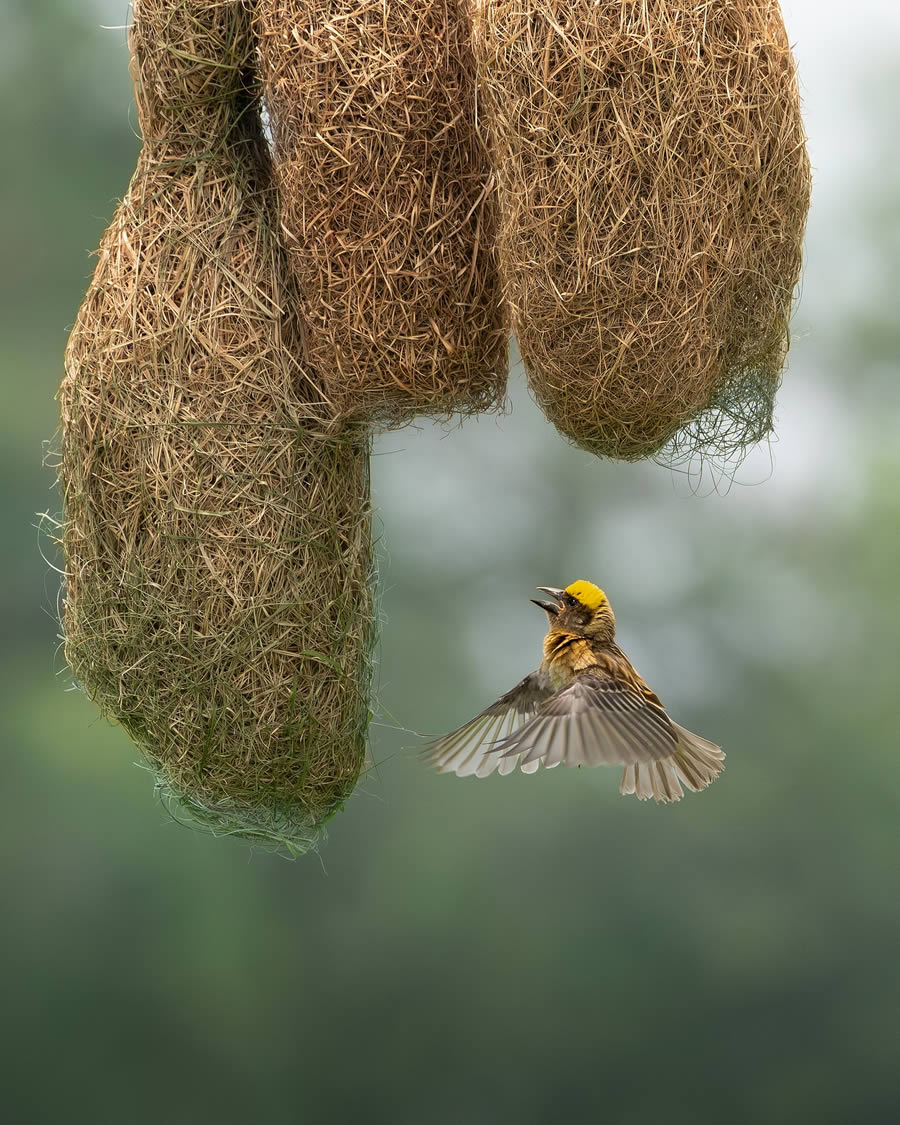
696, 763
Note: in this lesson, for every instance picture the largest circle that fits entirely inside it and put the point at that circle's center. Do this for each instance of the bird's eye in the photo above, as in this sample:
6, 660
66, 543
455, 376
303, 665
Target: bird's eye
569, 600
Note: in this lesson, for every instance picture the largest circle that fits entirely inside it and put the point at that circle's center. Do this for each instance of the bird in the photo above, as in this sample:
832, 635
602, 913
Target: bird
585, 705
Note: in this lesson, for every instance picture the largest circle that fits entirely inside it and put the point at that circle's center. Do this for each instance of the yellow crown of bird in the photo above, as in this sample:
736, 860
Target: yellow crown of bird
590, 596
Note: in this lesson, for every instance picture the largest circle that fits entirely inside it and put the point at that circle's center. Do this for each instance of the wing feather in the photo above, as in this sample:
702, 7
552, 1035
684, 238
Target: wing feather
696, 763
593, 720
467, 750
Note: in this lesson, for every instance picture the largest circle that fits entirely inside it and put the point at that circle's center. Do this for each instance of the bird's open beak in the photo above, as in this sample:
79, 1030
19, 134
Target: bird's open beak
549, 607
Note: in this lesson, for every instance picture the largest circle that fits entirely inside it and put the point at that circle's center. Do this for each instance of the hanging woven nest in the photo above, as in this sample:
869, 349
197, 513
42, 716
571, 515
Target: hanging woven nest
217, 530
387, 203
653, 186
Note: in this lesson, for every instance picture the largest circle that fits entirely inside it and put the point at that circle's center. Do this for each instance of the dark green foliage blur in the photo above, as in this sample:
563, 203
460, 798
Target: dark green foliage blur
527, 950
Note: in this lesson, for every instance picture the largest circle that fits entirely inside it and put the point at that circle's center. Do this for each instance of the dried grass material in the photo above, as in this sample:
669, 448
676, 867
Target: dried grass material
387, 202
654, 186
217, 532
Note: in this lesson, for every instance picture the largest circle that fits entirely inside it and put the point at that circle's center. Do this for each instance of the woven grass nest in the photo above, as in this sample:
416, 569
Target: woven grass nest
217, 528
653, 186
387, 202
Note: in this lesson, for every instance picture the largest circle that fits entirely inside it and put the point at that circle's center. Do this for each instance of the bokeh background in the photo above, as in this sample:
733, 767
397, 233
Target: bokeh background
527, 949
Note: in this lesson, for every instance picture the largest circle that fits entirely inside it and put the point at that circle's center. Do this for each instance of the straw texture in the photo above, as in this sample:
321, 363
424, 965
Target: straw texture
217, 529
387, 202
654, 186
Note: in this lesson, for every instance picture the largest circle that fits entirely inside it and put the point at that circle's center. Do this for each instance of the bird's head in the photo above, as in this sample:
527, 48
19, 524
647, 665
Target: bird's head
580, 608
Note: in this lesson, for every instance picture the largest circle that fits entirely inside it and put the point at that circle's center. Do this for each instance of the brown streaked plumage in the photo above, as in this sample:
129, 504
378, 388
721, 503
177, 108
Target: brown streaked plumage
584, 706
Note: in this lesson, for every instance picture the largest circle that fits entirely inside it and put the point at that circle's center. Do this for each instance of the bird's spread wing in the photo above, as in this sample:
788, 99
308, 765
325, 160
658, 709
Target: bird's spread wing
595, 720
696, 763
469, 749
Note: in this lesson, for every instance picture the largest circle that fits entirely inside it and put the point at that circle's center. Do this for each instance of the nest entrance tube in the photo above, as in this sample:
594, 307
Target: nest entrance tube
653, 187
216, 532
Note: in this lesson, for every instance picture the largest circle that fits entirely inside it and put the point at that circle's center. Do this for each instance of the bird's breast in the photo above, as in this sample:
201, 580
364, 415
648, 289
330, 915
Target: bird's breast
565, 655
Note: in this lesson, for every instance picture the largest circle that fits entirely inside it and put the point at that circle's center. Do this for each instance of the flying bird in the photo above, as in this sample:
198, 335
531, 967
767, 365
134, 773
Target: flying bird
584, 706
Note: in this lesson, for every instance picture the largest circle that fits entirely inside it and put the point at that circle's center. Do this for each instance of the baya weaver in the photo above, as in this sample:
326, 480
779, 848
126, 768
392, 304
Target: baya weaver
584, 706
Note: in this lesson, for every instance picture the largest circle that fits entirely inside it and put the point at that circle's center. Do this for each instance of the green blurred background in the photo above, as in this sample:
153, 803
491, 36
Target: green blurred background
528, 949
